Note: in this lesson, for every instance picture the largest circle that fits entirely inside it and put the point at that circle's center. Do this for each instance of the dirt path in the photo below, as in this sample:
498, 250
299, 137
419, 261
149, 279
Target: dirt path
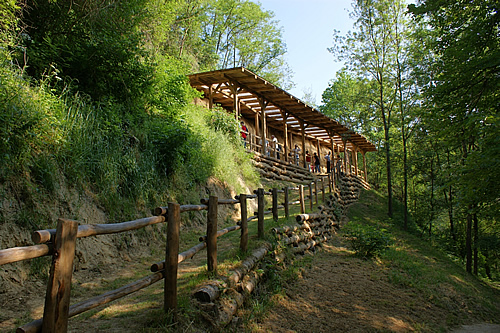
341, 293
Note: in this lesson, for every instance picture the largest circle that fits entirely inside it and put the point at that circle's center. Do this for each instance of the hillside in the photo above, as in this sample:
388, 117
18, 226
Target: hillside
410, 287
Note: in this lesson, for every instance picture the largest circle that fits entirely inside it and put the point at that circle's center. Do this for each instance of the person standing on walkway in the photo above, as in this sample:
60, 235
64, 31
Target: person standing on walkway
296, 151
328, 162
316, 163
338, 167
244, 133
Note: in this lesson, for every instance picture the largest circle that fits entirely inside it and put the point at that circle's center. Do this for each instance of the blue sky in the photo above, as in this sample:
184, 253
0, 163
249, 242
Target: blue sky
308, 31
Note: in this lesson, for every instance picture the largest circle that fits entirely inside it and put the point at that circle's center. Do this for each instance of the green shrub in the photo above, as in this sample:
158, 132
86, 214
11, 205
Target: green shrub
365, 240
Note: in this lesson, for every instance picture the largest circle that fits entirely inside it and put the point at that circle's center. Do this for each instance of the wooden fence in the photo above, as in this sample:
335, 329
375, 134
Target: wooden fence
60, 243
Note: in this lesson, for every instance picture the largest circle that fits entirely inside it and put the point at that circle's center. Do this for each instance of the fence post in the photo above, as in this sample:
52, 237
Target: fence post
171, 259
244, 223
315, 191
301, 198
213, 203
260, 212
275, 204
285, 189
56, 310
311, 196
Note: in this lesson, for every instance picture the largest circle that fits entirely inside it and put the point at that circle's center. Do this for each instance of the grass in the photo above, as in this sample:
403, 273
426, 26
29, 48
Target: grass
413, 263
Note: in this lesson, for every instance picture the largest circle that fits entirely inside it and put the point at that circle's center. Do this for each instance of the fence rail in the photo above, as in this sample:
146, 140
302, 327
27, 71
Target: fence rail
60, 243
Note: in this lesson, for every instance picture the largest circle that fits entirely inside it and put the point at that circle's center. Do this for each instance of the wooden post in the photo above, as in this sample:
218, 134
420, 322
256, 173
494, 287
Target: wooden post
316, 191
355, 153
171, 259
345, 157
275, 204
318, 146
210, 97
244, 223
301, 198
260, 212
257, 130
329, 182
310, 196
323, 188
213, 203
364, 166
303, 130
287, 209
56, 310
285, 134
263, 105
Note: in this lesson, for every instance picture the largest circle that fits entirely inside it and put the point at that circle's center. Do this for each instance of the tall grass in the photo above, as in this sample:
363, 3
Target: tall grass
129, 158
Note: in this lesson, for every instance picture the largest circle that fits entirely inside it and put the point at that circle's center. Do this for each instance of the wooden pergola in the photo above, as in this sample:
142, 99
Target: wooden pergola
252, 97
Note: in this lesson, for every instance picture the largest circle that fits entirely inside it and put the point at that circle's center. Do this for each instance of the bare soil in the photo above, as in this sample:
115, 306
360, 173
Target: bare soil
342, 293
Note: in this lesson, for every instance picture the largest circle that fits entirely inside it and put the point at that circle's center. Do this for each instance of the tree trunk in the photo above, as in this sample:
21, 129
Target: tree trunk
468, 244
475, 242
405, 176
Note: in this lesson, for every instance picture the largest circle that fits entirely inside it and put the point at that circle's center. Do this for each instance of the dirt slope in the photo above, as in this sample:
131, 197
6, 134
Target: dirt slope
341, 293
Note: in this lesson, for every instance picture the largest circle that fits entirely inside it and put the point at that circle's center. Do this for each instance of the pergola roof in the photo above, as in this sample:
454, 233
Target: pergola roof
252, 91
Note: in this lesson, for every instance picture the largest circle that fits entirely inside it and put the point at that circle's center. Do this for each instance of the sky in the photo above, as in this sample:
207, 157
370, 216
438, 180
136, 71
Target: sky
308, 27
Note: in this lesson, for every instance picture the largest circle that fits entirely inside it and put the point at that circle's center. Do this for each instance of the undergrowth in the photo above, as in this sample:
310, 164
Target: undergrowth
411, 261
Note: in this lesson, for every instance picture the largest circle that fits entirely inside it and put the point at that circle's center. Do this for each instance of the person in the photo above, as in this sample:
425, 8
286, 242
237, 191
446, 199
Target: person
316, 163
338, 166
328, 162
296, 151
275, 146
308, 161
244, 133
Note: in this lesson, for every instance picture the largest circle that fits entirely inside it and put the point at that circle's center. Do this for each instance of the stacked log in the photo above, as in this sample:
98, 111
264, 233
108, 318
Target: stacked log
274, 169
311, 230
220, 300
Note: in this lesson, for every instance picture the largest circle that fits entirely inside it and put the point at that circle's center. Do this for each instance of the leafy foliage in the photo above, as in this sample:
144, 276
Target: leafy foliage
365, 240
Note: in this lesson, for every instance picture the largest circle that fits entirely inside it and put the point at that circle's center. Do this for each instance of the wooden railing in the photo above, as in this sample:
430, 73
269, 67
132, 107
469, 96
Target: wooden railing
60, 243
277, 150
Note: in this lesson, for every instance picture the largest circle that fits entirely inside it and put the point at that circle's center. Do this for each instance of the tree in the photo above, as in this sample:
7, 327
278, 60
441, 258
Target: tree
347, 100
369, 52
463, 101
241, 33
95, 45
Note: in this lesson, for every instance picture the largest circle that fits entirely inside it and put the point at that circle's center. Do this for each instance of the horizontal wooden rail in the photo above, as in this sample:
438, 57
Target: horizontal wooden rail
86, 230
279, 191
15, 254
204, 201
249, 196
184, 208
222, 232
265, 193
182, 257
76, 309
248, 219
